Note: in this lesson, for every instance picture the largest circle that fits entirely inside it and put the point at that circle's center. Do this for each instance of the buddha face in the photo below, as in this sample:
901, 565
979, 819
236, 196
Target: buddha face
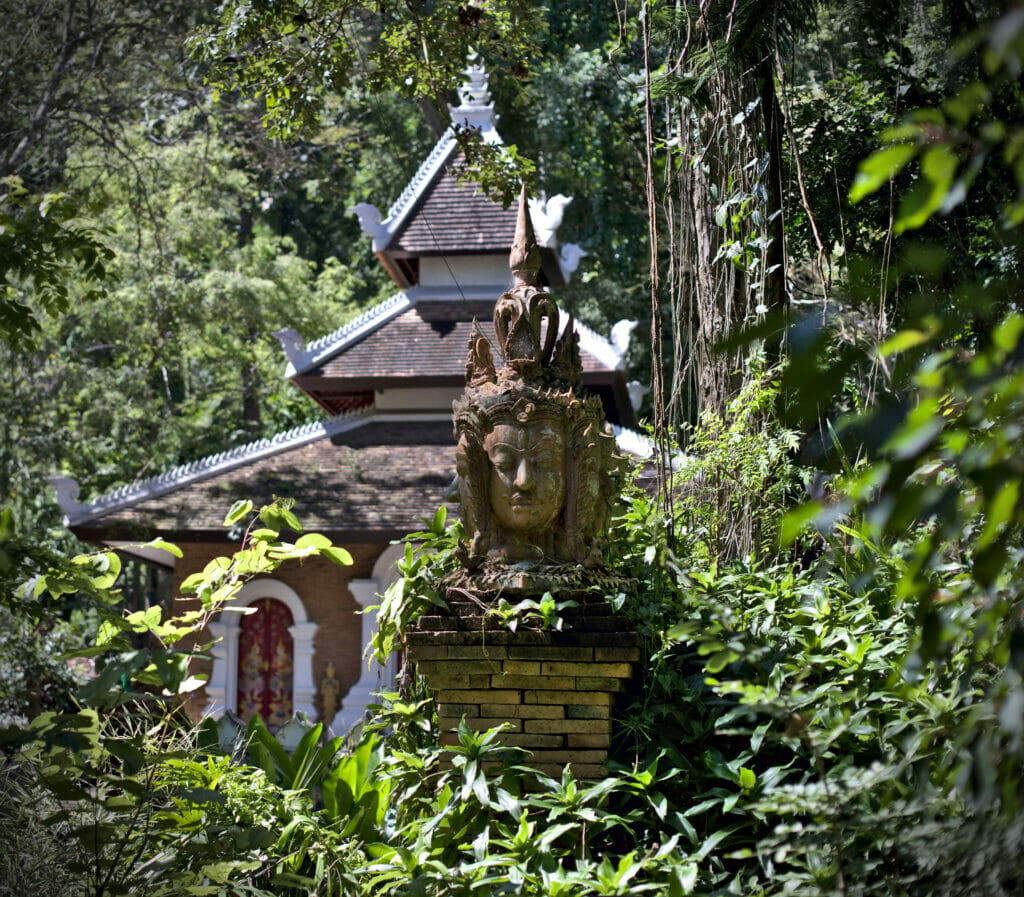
527, 479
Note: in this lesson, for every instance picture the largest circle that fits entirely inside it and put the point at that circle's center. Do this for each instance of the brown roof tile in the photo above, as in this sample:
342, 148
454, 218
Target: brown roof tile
455, 218
377, 480
426, 341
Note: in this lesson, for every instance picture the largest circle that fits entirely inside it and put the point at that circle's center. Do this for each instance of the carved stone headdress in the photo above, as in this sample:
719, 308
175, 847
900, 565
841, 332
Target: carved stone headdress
537, 387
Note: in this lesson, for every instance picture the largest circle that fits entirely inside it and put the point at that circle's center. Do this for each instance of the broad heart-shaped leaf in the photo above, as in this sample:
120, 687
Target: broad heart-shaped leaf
277, 517
104, 568
145, 620
879, 167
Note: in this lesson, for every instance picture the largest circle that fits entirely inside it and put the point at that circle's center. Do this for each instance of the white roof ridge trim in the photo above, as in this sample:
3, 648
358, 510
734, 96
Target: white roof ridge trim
325, 346
152, 487
591, 341
428, 168
633, 442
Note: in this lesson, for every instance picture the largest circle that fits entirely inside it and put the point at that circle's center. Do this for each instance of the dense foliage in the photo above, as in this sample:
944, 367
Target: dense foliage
833, 692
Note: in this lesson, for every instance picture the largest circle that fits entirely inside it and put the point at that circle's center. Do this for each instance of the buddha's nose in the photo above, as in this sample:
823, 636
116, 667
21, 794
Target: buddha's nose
524, 476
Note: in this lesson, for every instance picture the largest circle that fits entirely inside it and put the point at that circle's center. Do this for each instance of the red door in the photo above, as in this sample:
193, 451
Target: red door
265, 664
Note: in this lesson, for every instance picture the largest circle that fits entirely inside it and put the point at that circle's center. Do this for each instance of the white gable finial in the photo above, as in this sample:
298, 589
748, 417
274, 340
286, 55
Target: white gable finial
569, 259
475, 109
547, 215
293, 345
68, 491
621, 332
369, 219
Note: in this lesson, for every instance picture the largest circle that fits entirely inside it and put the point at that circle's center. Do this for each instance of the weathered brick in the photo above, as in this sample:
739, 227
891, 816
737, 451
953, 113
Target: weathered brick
567, 725
560, 668
563, 756
589, 739
436, 680
544, 682
607, 655
604, 624
580, 770
533, 711
530, 741
550, 653
587, 711
535, 696
457, 711
479, 696
599, 683
520, 637
479, 724
476, 651
521, 667
600, 639
428, 652
463, 639
453, 666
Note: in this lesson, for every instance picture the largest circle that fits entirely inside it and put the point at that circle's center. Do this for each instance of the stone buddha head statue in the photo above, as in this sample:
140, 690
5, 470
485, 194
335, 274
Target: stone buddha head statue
535, 458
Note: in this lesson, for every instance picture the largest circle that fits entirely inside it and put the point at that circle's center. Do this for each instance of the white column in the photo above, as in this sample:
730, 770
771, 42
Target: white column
354, 704
303, 686
222, 689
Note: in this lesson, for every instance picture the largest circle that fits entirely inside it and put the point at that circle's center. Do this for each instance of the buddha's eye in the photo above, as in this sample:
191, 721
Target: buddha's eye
503, 461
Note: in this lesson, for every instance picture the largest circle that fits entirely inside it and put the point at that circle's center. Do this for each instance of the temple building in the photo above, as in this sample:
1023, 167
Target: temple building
381, 460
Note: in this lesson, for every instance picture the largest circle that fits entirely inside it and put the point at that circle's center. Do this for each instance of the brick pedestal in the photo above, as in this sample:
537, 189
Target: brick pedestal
555, 689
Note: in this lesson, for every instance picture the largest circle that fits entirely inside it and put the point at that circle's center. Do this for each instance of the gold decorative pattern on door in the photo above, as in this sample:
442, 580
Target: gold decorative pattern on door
266, 663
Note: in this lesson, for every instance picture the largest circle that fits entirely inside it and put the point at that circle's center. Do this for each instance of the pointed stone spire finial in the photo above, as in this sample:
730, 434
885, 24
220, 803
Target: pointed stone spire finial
524, 259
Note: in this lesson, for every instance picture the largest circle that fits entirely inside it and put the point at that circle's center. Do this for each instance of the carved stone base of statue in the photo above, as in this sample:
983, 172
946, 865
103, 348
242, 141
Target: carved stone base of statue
492, 581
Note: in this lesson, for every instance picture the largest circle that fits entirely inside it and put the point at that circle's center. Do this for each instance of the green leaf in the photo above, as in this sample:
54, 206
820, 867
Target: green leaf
313, 540
797, 520
748, 779
938, 166
880, 167
901, 341
160, 544
1007, 334
338, 555
440, 516
719, 660
239, 510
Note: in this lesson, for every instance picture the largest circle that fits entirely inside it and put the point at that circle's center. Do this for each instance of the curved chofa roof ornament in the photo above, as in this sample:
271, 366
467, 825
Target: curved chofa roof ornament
537, 463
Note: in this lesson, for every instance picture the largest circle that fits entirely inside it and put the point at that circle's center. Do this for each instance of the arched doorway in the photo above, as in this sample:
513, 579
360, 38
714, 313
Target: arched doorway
222, 691
266, 663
